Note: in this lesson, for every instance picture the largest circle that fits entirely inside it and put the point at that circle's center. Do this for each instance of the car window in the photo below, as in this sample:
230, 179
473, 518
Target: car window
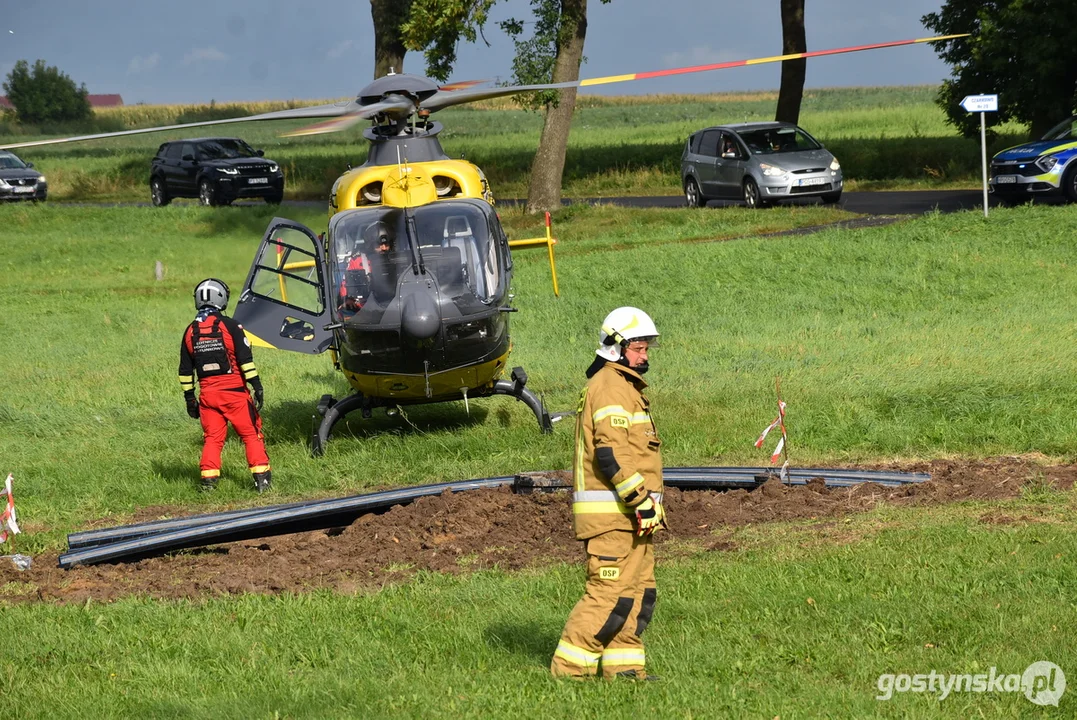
163, 150
188, 149
224, 149
767, 141
708, 146
728, 144
1065, 130
174, 151
10, 162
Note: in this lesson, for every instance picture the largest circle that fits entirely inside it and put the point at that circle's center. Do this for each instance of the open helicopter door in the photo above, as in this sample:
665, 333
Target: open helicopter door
283, 304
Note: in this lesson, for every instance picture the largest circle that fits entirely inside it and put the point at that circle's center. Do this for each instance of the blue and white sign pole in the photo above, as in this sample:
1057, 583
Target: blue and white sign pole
982, 104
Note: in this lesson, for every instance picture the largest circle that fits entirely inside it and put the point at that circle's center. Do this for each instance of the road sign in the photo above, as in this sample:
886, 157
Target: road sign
980, 103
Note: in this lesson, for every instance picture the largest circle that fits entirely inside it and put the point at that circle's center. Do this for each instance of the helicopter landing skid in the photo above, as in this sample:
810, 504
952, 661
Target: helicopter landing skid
333, 410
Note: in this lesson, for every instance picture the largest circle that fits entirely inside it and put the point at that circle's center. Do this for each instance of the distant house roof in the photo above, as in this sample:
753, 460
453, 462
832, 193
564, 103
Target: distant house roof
104, 100
95, 101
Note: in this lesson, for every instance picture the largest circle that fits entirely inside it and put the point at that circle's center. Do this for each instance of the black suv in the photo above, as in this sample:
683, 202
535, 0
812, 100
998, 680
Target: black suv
214, 170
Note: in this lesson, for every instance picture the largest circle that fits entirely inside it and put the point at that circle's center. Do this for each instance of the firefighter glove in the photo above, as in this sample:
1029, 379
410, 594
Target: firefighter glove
649, 516
259, 394
192, 405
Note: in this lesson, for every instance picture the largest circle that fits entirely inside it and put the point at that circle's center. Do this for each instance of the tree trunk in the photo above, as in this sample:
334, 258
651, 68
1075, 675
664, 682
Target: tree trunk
389, 50
793, 71
544, 191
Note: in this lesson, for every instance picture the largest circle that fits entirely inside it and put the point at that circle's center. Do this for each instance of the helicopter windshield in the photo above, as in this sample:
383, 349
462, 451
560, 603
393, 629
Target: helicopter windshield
372, 250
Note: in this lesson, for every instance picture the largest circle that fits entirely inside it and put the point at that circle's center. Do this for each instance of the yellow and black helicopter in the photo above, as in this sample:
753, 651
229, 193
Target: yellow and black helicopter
409, 287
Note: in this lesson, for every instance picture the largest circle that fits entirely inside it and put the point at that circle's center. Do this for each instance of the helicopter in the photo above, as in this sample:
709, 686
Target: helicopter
409, 287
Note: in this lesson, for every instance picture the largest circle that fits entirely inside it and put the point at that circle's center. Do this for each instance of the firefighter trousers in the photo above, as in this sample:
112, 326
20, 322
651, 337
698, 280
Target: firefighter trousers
603, 630
216, 409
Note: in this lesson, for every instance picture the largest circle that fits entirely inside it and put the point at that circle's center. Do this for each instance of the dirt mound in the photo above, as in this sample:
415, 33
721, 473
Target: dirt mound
490, 528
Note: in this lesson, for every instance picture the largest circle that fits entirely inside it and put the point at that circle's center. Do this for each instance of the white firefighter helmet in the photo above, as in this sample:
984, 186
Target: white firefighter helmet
212, 292
621, 327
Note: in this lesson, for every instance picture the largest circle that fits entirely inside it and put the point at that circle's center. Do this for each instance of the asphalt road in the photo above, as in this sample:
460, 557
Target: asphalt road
888, 202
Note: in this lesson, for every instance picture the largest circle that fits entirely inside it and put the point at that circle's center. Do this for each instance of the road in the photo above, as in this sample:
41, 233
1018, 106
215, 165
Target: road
888, 202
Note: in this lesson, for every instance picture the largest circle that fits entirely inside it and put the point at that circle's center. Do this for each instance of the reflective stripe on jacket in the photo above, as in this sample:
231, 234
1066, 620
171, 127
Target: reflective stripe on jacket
613, 413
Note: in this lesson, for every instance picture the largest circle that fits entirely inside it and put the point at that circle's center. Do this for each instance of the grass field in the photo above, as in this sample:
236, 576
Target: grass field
934, 337
884, 138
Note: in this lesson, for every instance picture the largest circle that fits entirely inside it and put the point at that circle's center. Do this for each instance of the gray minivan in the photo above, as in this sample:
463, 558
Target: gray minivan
759, 163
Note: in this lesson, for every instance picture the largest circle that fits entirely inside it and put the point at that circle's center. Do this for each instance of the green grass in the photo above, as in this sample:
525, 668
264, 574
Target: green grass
786, 625
884, 137
934, 337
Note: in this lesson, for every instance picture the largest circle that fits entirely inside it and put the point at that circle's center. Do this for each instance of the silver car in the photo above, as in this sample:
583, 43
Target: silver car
758, 163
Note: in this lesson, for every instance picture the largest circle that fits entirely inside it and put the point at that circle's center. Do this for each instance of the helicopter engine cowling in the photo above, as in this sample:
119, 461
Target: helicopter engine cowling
419, 316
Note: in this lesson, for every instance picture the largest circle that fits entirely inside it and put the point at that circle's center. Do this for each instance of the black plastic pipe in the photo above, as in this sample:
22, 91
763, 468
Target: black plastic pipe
684, 478
304, 518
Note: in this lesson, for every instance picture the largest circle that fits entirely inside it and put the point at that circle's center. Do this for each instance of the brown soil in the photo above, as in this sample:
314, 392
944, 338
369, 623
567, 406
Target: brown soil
491, 528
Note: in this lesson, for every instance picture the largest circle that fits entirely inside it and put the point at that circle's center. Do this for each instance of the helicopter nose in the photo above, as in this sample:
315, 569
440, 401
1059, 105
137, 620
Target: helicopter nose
420, 317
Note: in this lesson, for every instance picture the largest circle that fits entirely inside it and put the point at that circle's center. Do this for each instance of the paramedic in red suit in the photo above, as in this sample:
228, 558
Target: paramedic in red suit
217, 352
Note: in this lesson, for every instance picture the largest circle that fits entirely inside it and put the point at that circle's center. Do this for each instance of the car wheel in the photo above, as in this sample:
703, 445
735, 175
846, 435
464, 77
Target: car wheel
751, 194
1069, 184
158, 193
692, 196
274, 199
206, 194
831, 198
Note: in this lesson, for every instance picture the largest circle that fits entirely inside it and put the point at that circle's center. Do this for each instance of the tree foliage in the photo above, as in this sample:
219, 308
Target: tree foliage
44, 94
535, 55
437, 26
1025, 51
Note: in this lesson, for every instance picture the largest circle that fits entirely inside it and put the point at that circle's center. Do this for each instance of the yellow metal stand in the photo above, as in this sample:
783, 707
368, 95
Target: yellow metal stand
549, 241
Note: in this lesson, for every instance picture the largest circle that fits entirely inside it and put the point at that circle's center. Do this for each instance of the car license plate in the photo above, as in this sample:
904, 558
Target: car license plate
258, 181
811, 181
23, 189
1003, 179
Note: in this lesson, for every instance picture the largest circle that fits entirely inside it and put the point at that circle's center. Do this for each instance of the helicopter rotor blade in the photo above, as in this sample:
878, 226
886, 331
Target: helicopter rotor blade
330, 110
447, 99
461, 85
398, 106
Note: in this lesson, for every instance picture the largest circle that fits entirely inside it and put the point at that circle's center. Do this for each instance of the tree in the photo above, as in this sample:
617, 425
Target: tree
44, 94
437, 26
389, 17
552, 55
791, 92
1025, 51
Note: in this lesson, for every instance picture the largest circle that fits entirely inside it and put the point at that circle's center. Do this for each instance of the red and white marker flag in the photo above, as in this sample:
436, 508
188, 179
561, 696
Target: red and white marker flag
7, 518
779, 422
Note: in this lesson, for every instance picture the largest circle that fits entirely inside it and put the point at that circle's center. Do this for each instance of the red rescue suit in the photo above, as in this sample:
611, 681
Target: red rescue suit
355, 285
215, 349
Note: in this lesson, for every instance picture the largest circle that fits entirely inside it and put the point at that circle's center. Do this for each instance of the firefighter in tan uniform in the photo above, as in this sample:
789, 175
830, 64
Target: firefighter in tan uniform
617, 506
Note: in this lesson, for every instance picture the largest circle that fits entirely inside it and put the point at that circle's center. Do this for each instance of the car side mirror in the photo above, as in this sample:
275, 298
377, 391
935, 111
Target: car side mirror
260, 153
29, 165
188, 158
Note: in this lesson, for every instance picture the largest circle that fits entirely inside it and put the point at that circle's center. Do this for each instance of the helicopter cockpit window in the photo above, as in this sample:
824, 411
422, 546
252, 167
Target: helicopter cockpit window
459, 236
287, 272
371, 251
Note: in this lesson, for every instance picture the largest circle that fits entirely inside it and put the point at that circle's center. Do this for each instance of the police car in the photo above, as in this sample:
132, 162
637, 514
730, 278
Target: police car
1040, 167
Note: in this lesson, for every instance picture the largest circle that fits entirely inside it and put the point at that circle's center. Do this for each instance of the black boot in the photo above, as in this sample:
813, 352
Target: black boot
262, 480
208, 484
633, 675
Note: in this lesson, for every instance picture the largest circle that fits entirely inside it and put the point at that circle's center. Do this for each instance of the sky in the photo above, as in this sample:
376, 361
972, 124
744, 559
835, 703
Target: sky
244, 50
